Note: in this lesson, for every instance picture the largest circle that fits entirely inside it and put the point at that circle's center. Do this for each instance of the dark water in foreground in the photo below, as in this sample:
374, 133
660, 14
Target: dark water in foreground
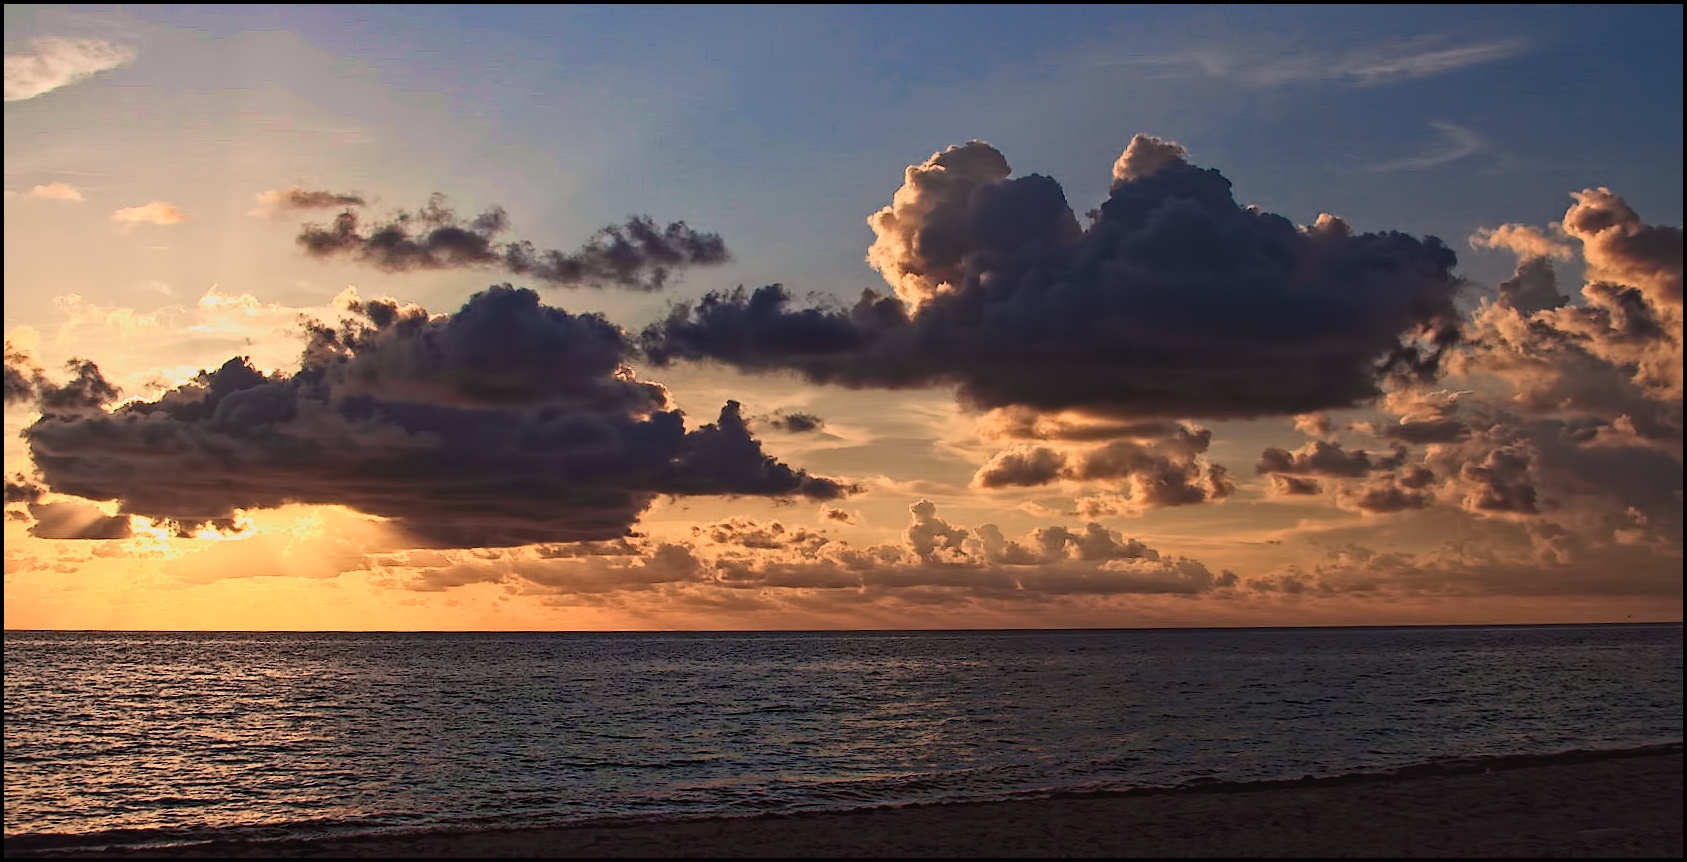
125, 738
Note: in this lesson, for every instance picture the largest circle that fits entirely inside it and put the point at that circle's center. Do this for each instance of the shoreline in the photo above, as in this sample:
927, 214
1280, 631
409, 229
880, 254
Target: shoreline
1619, 803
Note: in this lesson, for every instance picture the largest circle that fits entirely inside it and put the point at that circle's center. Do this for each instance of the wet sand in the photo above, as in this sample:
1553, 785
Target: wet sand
1585, 804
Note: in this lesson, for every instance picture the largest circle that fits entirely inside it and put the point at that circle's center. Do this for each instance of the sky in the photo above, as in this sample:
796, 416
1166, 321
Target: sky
780, 317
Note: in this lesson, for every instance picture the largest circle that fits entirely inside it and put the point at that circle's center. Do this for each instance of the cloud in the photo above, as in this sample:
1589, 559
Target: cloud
1313, 424
23, 378
1146, 155
56, 191
935, 561
1459, 142
636, 254
1024, 423
1151, 474
1386, 493
155, 212
1366, 66
1388, 63
842, 516
277, 202
19, 489
1429, 431
1521, 240
1619, 247
505, 423
1176, 302
1323, 458
1293, 486
1619, 351
796, 423
1521, 566
75, 520
1574, 414
25, 383
53, 63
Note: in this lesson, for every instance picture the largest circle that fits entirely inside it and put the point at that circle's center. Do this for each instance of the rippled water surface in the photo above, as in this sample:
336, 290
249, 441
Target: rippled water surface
124, 737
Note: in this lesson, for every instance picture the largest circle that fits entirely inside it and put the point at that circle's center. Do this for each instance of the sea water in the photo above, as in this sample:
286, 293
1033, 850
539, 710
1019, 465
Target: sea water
146, 738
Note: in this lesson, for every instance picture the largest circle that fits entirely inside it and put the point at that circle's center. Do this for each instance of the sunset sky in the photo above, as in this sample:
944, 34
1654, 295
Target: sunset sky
535, 318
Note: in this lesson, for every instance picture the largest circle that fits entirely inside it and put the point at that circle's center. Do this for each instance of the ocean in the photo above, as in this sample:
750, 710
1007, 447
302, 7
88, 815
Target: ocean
118, 739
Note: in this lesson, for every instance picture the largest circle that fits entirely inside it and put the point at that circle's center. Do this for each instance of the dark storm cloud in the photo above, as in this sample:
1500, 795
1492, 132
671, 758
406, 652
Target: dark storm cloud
1175, 302
506, 423
637, 254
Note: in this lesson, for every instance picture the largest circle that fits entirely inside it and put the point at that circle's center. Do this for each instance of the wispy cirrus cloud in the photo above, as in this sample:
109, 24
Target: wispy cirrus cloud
53, 63
154, 212
1457, 142
1368, 66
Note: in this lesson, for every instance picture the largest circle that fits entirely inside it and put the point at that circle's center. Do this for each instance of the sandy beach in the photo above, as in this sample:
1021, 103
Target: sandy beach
1626, 804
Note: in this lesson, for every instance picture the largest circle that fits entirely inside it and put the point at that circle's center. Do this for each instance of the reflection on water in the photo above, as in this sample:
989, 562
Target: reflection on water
276, 734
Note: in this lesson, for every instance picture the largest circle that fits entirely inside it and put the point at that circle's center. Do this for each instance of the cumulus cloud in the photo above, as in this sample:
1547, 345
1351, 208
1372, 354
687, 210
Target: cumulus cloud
936, 560
1322, 458
154, 212
1521, 240
53, 63
1151, 473
1618, 351
1574, 415
637, 254
1146, 155
1175, 303
1386, 493
1619, 247
277, 202
505, 423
